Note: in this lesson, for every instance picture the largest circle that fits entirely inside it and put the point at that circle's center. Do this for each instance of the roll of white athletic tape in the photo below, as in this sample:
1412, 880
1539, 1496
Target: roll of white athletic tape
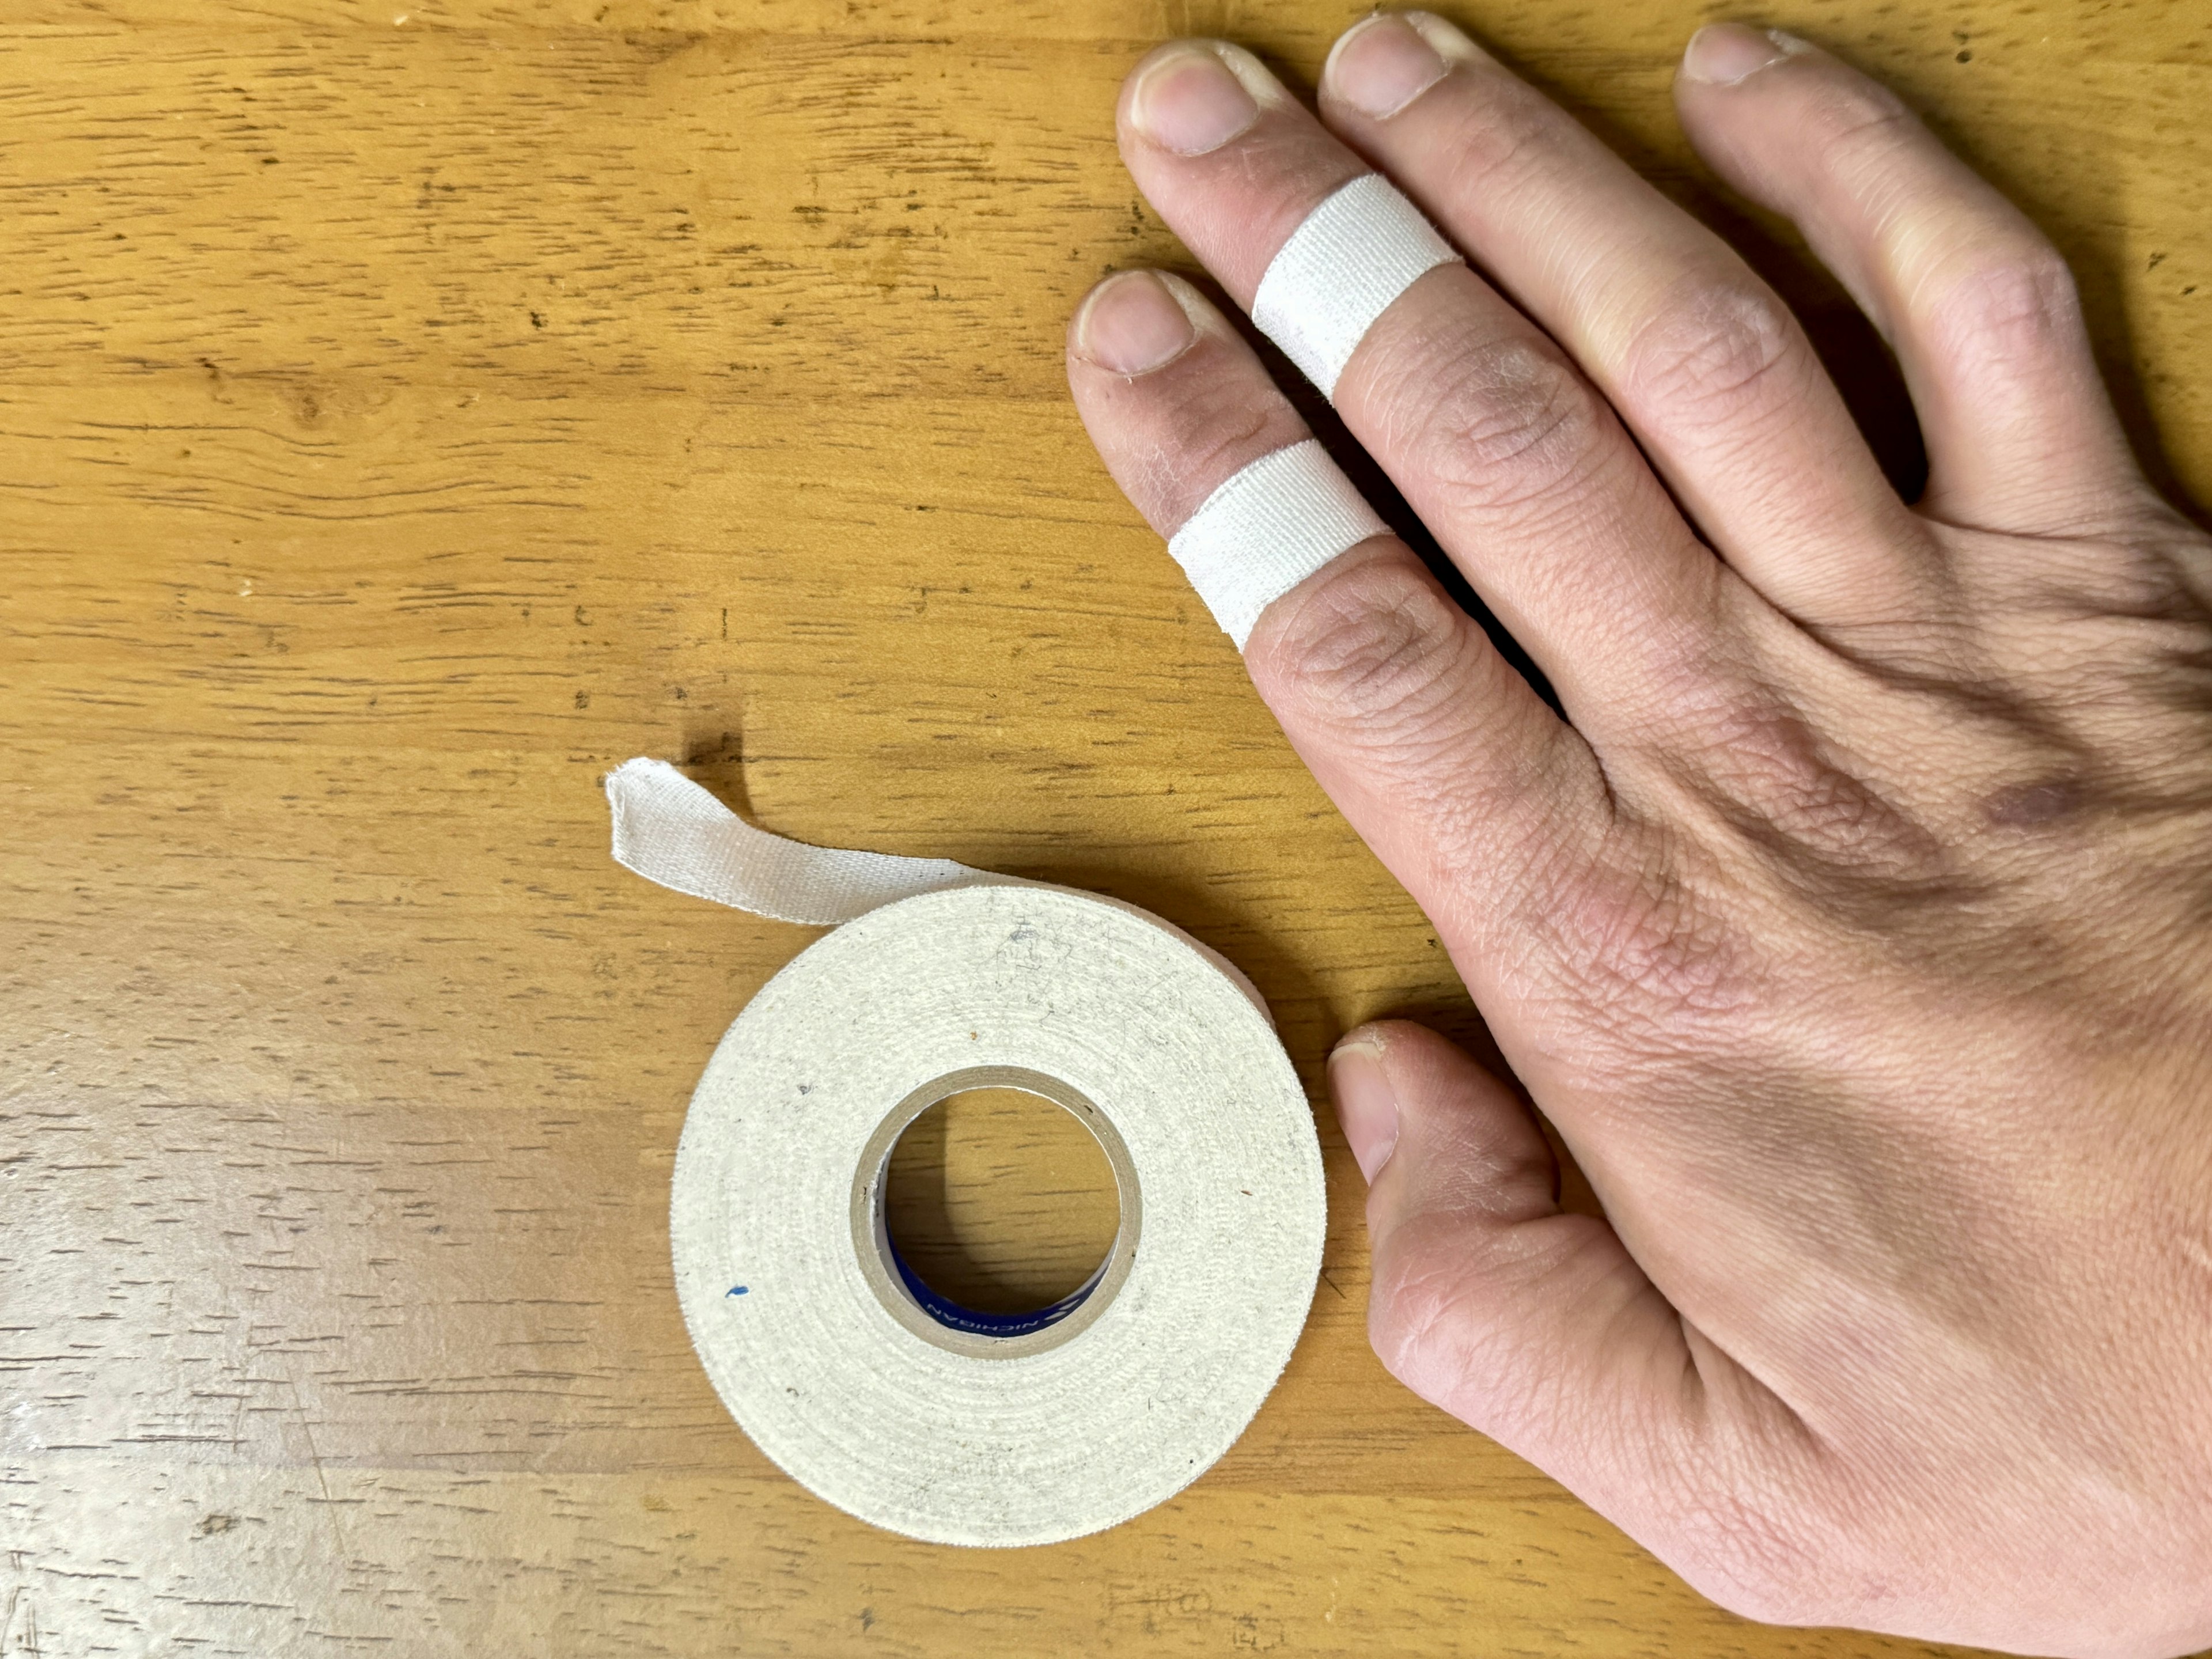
1359, 250
845, 1369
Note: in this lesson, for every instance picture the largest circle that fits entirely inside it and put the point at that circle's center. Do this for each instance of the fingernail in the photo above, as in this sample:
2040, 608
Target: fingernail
1451, 43
1366, 1106
1188, 99
1380, 65
1132, 323
1721, 54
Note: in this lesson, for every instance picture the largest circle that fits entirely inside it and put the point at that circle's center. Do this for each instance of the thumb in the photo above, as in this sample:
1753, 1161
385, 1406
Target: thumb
1537, 1326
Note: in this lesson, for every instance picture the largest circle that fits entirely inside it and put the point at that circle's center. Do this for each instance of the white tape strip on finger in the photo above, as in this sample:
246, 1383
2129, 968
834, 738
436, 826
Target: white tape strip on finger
843, 1365
1268, 528
1357, 251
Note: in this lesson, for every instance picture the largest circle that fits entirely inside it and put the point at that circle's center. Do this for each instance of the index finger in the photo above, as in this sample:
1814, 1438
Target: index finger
1473, 794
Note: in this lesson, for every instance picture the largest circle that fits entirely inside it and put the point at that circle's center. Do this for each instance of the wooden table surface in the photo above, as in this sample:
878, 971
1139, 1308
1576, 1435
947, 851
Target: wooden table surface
411, 411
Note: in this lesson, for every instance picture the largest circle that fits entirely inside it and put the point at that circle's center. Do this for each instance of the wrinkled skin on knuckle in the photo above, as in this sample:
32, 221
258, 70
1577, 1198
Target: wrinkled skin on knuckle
1642, 981
1780, 784
1992, 305
1494, 425
1719, 346
1441, 1279
1377, 649
1857, 124
1498, 135
1189, 466
1757, 1555
1414, 1316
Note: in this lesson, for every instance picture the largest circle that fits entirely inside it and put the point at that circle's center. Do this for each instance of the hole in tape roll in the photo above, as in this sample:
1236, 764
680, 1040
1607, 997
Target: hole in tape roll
995, 1212
1000, 1209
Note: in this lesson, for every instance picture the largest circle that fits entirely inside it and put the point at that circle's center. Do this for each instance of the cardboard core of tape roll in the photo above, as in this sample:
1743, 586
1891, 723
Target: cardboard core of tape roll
933, 1318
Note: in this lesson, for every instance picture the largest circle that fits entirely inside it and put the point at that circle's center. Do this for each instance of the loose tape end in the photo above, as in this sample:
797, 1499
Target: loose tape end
671, 831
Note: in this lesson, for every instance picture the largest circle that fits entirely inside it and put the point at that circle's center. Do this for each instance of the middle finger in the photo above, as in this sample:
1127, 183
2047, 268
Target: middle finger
1702, 359
1510, 456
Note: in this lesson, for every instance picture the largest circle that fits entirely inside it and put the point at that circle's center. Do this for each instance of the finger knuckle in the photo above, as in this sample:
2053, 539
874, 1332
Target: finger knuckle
1496, 425
1503, 138
1761, 1534
1433, 1318
1779, 782
1409, 1321
1209, 438
2001, 304
1378, 646
1639, 969
1218, 442
1852, 120
1999, 290
1713, 347
1447, 1315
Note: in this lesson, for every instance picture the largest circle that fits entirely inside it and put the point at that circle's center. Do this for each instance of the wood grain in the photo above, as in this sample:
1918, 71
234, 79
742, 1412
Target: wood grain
408, 411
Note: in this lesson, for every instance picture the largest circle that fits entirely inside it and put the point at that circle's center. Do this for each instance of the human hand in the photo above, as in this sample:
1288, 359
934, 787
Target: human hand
1853, 928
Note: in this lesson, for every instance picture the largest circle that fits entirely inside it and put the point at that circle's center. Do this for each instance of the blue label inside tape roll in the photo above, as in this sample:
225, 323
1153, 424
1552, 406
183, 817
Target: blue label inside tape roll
953, 1317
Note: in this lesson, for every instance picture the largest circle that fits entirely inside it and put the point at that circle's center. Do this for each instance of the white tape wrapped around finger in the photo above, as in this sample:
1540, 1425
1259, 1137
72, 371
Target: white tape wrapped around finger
1268, 528
1359, 250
